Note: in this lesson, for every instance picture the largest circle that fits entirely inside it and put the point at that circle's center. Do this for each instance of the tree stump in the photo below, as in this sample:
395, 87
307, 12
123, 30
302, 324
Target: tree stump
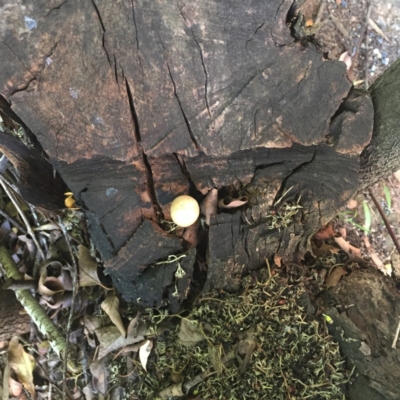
138, 102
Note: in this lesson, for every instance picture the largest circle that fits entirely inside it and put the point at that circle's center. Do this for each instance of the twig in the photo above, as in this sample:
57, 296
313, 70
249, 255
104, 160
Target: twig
340, 26
3, 183
6, 379
35, 310
396, 336
366, 49
378, 30
386, 222
356, 53
13, 221
74, 275
320, 12
12, 284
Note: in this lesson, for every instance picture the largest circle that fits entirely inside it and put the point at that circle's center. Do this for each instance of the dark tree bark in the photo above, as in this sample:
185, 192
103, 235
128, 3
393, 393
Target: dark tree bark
382, 156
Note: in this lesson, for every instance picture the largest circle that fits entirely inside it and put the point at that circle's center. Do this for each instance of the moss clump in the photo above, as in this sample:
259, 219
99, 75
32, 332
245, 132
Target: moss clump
257, 344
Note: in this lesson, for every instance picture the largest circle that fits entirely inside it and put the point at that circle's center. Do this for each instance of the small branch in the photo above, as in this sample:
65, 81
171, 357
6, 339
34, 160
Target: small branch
366, 84
13, 221
356, 53
3, 183
35, 311
386, 222
75, 287
320, 12
396, 336
12, 284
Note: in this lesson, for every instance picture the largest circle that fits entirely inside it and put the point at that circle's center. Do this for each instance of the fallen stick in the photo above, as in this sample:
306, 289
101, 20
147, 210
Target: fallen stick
38, 315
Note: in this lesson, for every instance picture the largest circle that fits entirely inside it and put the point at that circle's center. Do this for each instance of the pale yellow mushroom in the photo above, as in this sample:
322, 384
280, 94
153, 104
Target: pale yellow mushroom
184, 211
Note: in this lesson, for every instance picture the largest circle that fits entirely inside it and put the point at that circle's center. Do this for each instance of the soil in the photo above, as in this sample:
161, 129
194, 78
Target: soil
342, 24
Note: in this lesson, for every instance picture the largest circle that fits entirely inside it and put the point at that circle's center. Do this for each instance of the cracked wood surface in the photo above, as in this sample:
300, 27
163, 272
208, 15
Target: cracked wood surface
136, 102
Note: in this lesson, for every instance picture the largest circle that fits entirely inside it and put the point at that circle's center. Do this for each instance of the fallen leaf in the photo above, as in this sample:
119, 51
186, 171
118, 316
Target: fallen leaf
54, 279
277, 260
93, 322
100, 376
88, 392
378, 30
246, 348
133, 324
110, 338
209, 205
23, 364
334, 277
215, 356
191, 233
325, 233
172, 391
345, 57
232, 203
87, 268
16, 390
144, 353
189, 333
375, 258
111, 307
51, 226
352, 204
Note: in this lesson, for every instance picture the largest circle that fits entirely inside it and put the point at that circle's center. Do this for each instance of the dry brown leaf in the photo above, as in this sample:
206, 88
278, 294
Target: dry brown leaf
345, 57
110, 338
93, 322
189, 333
374, 257
209, 205
144, 353
51, 226
191, 233
100, 376
133, 324
54, 279
87, 268
16, 390
111, 307
233, 203
23, 364
277, 260
325, 233
334, 277
174, 390
352, 204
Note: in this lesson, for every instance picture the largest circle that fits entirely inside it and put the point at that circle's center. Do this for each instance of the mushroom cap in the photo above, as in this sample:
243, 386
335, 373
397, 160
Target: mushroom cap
184, 211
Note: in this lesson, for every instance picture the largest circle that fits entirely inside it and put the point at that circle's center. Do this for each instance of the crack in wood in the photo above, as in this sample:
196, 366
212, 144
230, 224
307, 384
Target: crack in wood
205, 73
191, 135
149, 173
56, 8
254, 34
104, 31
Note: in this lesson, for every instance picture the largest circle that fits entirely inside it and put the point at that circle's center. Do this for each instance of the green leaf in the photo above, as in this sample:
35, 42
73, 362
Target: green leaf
367, 217
388, 197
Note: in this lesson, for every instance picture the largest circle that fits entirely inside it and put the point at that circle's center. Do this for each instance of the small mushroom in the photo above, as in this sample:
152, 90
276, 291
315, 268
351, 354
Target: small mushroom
184, 211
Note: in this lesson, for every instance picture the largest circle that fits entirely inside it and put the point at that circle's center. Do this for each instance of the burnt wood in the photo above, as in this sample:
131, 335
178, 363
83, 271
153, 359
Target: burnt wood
136, 102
